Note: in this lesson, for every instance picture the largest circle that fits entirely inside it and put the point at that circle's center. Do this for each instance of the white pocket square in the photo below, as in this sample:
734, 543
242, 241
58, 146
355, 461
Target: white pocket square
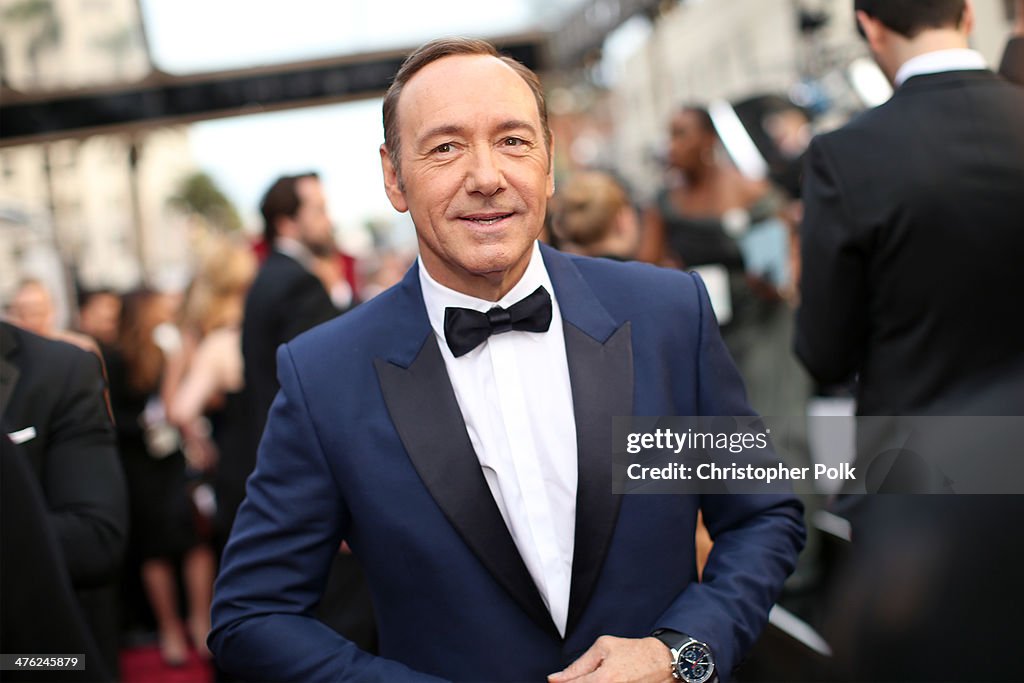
23, 435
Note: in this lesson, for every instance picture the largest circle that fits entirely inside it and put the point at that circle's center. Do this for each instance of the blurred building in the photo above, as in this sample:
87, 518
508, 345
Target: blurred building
99, 203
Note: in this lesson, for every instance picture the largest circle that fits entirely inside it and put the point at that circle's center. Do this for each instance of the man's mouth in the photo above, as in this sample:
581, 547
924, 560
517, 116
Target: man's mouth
486, 218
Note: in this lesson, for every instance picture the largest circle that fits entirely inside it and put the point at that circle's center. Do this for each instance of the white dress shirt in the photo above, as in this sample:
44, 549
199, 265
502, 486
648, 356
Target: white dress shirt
958, 59
516, 400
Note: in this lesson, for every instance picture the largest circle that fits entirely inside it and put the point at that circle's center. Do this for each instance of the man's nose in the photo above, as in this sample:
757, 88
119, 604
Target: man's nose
484, 174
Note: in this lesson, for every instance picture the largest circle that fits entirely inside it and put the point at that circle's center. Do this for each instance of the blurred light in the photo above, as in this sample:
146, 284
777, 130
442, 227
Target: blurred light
561, 101
586, 150
796, 628
810, 95
737, 140
621, 44
869, 82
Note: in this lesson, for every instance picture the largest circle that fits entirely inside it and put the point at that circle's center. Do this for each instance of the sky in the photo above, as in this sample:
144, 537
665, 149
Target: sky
245, 154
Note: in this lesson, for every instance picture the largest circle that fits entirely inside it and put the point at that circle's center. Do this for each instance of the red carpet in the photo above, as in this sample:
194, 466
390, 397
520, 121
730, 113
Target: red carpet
144, 665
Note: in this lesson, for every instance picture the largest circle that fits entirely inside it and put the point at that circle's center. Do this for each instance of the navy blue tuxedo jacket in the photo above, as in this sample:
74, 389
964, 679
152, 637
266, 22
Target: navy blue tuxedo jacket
365, 442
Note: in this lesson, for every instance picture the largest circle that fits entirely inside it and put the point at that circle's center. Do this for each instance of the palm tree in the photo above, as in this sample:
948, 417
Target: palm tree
198, 194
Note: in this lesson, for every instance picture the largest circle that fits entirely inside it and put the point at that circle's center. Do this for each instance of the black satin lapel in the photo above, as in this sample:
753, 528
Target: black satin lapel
602, 387
424, 410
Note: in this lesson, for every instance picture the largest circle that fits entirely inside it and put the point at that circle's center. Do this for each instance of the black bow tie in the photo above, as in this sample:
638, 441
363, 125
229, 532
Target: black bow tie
465, 329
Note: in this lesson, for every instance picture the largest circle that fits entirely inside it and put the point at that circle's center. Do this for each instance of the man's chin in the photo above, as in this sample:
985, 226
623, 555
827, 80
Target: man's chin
321, 250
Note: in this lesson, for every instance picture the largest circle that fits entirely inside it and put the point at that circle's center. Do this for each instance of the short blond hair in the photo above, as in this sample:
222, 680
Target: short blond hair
216, 297
586, 206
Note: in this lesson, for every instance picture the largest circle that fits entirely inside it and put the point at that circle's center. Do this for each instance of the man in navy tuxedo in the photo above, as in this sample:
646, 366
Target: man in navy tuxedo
456, 432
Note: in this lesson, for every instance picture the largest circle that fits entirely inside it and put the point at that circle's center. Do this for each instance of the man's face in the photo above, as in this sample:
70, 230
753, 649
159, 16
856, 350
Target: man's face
100, 316
311, 220
32, 309
476, 174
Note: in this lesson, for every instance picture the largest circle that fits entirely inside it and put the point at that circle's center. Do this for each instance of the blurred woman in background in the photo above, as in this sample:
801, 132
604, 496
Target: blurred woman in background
699, 221
207, 405
163, 528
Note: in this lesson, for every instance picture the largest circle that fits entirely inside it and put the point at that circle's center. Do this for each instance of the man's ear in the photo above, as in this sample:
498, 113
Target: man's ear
286, 226
873, 30
967, 20
551, 169
392, 185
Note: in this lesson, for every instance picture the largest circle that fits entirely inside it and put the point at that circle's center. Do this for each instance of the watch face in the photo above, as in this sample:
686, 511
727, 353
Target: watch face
695, 664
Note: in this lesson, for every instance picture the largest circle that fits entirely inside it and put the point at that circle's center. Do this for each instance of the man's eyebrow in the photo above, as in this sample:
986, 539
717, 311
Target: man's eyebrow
447, 129
516, 124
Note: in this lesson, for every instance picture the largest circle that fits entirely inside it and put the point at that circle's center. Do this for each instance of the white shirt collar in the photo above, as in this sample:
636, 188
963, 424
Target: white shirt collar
437, 297
957, 59
296, 250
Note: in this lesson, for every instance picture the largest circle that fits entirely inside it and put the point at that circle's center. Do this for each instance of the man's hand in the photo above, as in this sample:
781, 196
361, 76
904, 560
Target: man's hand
620, 660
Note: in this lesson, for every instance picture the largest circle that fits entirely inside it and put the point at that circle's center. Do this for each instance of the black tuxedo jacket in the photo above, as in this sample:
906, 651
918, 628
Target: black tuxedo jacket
913, 243
52, 394
285, 300
38, 612
1012, 66
51, 399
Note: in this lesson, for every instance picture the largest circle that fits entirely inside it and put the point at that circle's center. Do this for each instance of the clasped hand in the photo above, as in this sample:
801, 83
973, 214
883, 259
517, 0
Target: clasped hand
620, 660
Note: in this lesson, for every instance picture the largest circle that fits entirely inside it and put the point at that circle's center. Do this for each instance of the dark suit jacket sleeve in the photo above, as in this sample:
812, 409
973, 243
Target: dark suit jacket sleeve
82, 477
1012, 66
832, 321
276, 562
39, 612
757, 537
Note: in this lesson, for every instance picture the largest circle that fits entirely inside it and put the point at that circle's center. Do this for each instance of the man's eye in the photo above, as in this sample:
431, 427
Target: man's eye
443, 148
514, 142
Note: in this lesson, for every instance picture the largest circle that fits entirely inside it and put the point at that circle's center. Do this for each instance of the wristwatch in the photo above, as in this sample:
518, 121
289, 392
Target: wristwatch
692, 661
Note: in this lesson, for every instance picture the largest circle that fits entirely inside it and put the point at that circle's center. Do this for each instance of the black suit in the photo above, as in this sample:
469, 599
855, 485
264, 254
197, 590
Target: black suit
284, 301
1012, 66
39, 611
913, 243
56, 390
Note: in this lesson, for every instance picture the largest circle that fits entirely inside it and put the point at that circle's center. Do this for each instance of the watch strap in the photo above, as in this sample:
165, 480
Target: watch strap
676, 641
672, 639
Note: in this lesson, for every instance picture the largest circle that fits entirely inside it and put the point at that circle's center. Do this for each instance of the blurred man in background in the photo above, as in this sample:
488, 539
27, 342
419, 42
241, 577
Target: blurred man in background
287, 296
32, 308
53, 409
912, 249
912, 240
1012, 65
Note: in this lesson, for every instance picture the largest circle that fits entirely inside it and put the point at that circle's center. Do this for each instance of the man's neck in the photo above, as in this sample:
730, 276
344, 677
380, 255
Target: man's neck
295, 249
485, 286
931, 40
